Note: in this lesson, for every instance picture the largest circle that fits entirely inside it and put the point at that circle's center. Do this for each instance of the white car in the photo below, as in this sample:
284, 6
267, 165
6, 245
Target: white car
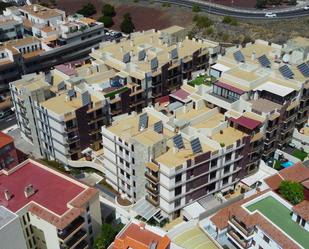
306, 7
270, 15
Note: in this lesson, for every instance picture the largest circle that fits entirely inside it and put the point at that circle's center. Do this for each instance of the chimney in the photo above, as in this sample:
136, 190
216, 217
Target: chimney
29, 191
253, 56
8, 195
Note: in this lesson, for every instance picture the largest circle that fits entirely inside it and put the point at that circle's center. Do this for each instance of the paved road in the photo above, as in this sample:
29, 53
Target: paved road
240, 13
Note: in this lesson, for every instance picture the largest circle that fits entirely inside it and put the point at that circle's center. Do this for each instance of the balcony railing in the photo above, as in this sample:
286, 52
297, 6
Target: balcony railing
152, 201
76, 238
82, 245
240, 241
152, 177
241, 227
70, 229
152, 190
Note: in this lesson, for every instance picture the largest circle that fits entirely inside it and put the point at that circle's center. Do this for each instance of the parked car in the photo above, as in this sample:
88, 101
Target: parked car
270, 15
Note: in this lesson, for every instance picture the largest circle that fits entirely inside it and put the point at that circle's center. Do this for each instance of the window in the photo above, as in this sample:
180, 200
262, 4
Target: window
127, 152
226, 169
177, 191
214, 163
253, 242
133, 172
121, 160
88, 219
213, 175
260, 247
129, 187
122, 171
225, 180
178, 178
177, 202
128, 176
87, 209
266, 238
90, 230
120, 148
132, 147
133, 160
228, 157
134, 184
134, 194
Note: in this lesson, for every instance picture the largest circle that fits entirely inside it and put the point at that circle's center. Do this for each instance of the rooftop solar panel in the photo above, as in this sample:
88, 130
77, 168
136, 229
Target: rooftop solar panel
239, 56
141, 55
158, 127
264, 61
143, 121
196, 145
71, 93
174, 53
286, 72
154, 63
178, 142
126, 57
304, 69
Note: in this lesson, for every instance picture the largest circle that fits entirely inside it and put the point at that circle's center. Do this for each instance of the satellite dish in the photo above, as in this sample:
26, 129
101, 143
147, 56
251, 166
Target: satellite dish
286, 58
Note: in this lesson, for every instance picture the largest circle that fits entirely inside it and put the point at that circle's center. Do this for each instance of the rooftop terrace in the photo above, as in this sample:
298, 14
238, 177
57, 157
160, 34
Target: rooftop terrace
280, 215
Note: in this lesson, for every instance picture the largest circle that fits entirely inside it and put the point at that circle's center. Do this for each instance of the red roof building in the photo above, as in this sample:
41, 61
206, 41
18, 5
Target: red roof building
8, 154
140, 236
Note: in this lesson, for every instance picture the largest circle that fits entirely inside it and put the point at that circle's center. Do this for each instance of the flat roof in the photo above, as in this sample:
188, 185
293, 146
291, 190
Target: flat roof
6, 216
228, 136
53, 190
264, 105
274, 88
194, 238
212, 122
280, 216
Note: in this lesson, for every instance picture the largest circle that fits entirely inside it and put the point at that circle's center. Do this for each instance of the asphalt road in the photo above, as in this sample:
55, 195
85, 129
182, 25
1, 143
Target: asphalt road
247, 14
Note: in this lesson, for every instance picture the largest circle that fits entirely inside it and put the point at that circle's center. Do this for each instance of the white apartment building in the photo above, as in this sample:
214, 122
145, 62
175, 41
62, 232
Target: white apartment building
10, 29
54, 211
177, 158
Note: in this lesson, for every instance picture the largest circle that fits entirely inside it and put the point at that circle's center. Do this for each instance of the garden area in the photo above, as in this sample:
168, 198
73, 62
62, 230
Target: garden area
202, 80
300, 154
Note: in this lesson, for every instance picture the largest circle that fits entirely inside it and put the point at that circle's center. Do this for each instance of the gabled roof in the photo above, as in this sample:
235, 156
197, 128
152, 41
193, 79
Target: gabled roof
302, 209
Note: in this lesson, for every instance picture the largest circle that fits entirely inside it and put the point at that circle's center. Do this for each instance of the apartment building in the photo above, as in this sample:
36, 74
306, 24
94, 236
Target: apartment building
268, 81
58, 114
47, 209
156, 62
52, 38
265, 219
8, 154
10, 29
139, 235
181, 156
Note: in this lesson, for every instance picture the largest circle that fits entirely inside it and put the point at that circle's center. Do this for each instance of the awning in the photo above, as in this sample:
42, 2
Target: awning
275, 89
175, 105
229, 87
144, 209
193, 210
220, 67
249, 123
181, 95
152, 166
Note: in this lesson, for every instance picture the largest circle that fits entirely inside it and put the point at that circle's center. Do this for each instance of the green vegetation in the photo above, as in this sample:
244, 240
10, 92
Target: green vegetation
202, 21
108, 10
300, 154
107, 20
202, 80
87, 10
230, 20
277, 165
107, 236
222, 145
281, 216
166, 5
54, 164
292, 191
127, 25
3, 6
196, 8
112, 94
261, 4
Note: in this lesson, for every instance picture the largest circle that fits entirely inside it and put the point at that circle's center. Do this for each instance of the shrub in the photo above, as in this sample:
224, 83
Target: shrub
209, 30
108, 10
230, 20
202, 21
292, 191
260, 4
127, 26
196, 8
166, 5
107, 20
87, 10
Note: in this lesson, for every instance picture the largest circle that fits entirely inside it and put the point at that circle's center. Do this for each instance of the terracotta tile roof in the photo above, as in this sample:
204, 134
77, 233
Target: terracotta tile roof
246, 122
221, 218
306, 184
297, 173
5, 139
302, 209
139, 237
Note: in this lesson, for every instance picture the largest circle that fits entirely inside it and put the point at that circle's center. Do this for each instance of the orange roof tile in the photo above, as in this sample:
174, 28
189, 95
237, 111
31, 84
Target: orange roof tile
302, 209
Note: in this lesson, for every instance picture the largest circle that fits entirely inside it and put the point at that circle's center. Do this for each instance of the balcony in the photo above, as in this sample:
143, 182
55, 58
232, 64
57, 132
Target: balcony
82, 245
152, 201
70, 128
241, 227
72, 139
151, 190
151, 177
80, 235
232, 235
71, 229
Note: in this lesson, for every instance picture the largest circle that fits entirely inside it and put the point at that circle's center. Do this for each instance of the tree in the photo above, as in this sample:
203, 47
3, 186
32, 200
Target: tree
107, 20
127, 26
260, 4
108, 10
292, 191
202, 21
107, 235
196, 8
87, 10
